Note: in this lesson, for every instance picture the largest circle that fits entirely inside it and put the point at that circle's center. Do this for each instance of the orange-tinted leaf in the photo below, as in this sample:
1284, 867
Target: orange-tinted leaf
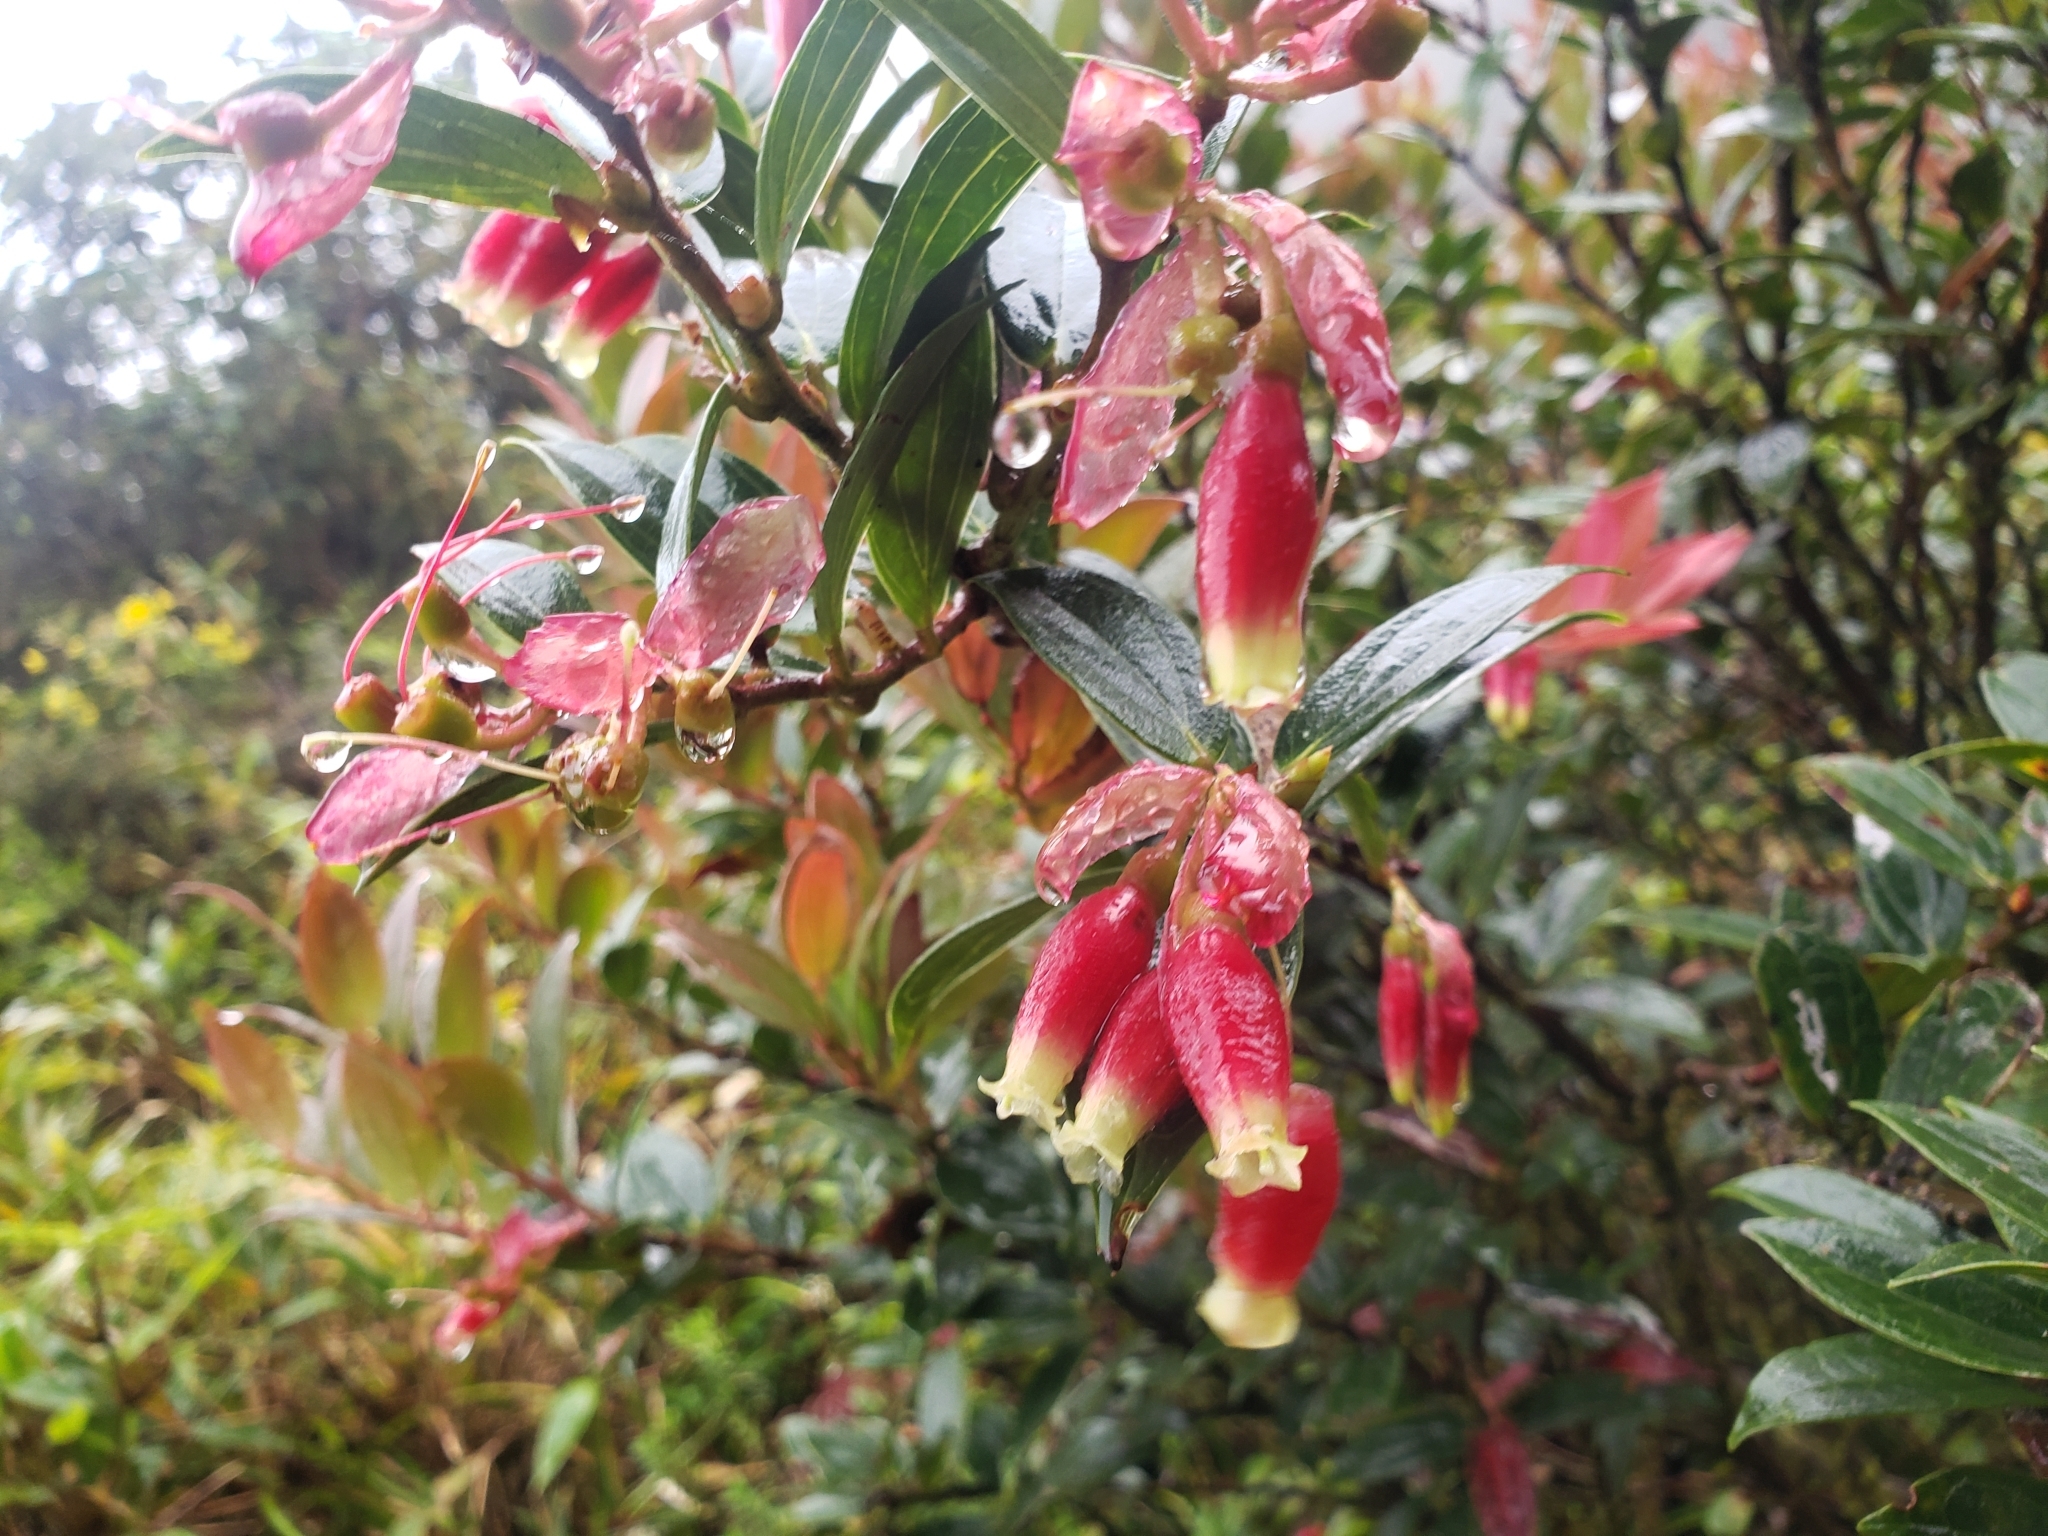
462, 1001
1049, 725
253, 1076
484, 1104
974, 661
340, 959
818, 902
1127, 534
828, 800
387, 1109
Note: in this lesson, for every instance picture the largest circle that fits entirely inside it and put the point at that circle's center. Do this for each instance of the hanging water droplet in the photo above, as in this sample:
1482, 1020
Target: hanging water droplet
440, 837
466, 669
1022, 438
630, 511
324, 753
396, 1299
460, 1352
586, 558
534, 523
706, 749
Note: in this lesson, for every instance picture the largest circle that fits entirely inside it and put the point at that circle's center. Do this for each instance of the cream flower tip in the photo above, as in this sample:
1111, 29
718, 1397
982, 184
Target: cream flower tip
1257, 1158
1088, 1160
1022, 1097
1250, 1319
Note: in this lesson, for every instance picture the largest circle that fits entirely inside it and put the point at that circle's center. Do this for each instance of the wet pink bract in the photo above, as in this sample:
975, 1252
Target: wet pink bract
574, 662
372, 804
1112, 114
716, 599
1142, 801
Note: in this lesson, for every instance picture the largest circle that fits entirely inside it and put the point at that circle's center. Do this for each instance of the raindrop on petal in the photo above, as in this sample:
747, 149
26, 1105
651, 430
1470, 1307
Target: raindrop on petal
1022, 438
324, 754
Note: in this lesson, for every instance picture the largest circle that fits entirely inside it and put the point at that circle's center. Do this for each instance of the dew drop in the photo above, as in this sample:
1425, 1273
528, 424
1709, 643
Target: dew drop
324, 754
460, 1352
1022, 438
706, 749
441, 837
586, 558
465, 669
395, 1299
631, 511
533, 523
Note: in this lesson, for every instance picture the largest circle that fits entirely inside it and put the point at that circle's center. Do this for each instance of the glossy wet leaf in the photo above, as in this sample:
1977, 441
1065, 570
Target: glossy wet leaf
1823, 1019
253, 1076
340, 959
1915, 909
817, 297
1000, 60
520, 600
1966, 1501
1857, 1376
1793, 1189
1632, 1002
596, 473
1135, 663
2015, 689
962, 179
1043, 259
814, 108
2001, 1160
1376, 688
450, 149
484, 1103
1918, 809
1966, 1047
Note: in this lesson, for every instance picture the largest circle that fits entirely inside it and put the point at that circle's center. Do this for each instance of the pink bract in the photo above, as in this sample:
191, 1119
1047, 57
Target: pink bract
521, 1239
574, 662
786, 21
1114, 442
293, 202
716, 600
1112, 113
1142, 801
372, 805
1254, 866
1339, 309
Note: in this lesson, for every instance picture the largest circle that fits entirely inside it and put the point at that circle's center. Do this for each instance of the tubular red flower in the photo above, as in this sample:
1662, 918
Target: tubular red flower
1403, 954
1450, 1018
1511, 692
1255, 543
617, 289
1230, 1037
1499, 1479
1134, 147
1265, 1239
1132, 1082
515, 266
1089, 960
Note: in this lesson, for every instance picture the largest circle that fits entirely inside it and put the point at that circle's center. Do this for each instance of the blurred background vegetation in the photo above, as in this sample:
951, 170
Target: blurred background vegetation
1792, 269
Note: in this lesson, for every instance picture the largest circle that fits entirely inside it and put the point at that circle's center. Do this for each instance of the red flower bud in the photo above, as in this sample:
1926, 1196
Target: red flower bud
1511, 691
1132, 1082
1404, 952
1255, 542
1089, 960
1230, 1036
515, 266
1498, 1477
1450, 1018
1385, 36
617, 290
678, 120
1264, 1240
552, 26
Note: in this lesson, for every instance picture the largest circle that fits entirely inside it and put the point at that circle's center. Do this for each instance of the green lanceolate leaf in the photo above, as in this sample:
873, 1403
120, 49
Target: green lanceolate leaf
1966, 1501
1793, 1189
1399, 669
562, 1426
728, 218
547, 1051
2015, 689
817, 296
1134, 663
515, 602
921, 507
1719, 926
999, 59
1146, 1169
1043, 259
596, 473
2002, 1161
713, 482
482, 1102
874, 133
393, 1124
922, 1000
745, 975
1965, 1050
1969, 1258
1823, 1019
1962, 1319
1549, 929
1917, 809
450, 149
873, 460
340, 960
963, 178
814, 108
1858, 1376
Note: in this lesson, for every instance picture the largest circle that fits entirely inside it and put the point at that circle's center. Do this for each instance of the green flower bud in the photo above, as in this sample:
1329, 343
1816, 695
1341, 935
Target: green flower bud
443, 621
1386, 38
366, 704
1202, 348
435, 714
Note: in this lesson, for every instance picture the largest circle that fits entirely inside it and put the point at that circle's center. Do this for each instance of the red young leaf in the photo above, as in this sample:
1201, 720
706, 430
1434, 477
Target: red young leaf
1499, 1479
